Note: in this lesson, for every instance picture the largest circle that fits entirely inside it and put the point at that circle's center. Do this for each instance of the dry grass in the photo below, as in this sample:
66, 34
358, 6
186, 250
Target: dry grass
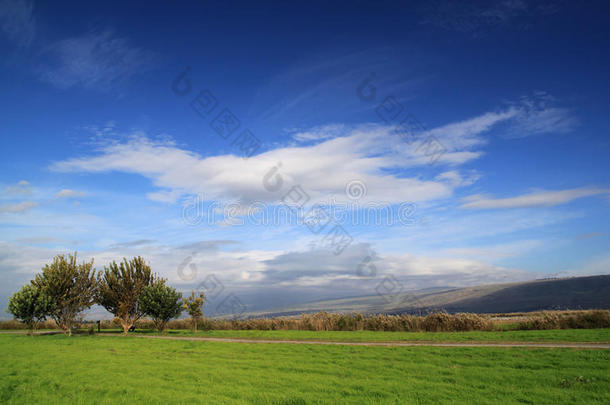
434, 322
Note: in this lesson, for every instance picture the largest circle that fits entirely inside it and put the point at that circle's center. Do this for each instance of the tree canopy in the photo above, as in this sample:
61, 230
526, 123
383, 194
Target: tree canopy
70, 286
193, 305
120, 286
30, 306
161, 303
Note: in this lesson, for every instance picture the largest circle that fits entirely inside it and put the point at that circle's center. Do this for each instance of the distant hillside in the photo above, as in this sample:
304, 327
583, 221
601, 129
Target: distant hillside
569, 293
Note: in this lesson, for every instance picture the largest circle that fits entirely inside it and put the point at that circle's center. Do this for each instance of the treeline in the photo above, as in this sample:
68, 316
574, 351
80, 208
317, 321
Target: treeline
128, 290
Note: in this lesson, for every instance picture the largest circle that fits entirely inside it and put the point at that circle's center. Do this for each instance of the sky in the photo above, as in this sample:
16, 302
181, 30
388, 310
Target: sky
277, 153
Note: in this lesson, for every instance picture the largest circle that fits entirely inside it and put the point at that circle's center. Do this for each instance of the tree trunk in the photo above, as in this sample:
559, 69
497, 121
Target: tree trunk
126, 327
63, 327
68, 327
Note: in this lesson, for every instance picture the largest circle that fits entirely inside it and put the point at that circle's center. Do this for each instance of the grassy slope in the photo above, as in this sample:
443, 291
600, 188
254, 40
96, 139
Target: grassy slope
83, 369
576, 292
565, 335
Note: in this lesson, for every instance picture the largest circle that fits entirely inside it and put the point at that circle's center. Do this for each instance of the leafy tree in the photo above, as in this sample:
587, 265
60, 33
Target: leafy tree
30, 306
193, 305
70, 286
120, 286
161, 303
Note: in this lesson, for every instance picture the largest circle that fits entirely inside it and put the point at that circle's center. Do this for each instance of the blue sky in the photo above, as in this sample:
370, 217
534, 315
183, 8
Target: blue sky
475, 133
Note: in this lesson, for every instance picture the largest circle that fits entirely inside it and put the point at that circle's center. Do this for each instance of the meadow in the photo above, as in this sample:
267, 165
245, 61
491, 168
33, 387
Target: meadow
558, 335
103, 369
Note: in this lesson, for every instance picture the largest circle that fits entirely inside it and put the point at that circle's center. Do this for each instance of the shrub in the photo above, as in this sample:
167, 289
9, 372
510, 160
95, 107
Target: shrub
437, 322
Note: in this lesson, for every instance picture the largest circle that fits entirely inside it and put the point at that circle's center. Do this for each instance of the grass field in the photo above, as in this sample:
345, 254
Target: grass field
98, 369
560, 335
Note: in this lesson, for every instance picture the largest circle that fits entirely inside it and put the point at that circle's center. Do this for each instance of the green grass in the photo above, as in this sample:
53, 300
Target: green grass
97, 369
561, 335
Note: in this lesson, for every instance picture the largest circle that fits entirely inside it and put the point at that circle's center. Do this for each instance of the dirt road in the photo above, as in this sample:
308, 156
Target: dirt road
574, 345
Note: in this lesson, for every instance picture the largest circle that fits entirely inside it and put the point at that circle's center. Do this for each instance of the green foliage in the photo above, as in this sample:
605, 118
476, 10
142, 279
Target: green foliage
70, 286
120, 286
193, 305
161, 303
30, 306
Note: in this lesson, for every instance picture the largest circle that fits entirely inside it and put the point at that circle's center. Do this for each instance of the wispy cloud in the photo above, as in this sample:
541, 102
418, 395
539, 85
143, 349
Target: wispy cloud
590, 235
535, 199
320, 133
68, 193
19, 207
540, 113
98, 60
22, 187
476, 17
17, 21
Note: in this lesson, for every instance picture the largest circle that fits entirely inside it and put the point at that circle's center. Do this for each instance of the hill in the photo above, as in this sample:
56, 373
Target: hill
568, 293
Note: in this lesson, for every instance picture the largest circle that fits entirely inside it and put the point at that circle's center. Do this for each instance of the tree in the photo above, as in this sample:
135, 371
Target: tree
70, 286
193, 305
161, 303
120, 286
30, 306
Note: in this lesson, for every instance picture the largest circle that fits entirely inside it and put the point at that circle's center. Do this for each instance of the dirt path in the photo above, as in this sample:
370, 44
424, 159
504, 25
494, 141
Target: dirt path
414, 343
570, 345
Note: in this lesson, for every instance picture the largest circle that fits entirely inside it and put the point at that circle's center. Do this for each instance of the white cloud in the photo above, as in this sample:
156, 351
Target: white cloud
321, 170
97, 60
19, 207
68, 193
535, 199
17, 21
338, 155
466, 134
